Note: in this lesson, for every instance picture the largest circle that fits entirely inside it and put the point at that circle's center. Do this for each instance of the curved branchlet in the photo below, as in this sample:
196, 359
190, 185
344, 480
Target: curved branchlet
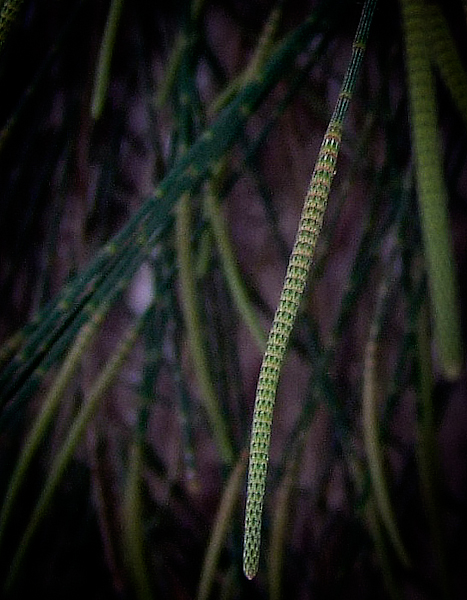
431, 189
446, 57
371, 429
310, 225
101, 81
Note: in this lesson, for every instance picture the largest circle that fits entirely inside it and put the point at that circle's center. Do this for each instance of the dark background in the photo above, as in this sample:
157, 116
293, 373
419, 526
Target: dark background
68, 183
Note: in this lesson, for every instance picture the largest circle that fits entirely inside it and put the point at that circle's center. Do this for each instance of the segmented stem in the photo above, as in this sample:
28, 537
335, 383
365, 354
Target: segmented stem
310, 225
296, 277
432, 194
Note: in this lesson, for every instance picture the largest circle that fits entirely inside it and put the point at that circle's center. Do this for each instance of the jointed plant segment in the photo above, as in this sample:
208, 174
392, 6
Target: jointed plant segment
311, 221
101, 80
432, 194
294, 287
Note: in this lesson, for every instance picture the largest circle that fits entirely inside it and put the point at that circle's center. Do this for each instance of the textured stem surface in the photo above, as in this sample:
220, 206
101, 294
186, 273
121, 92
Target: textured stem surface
294, 286
432, 194
296, 277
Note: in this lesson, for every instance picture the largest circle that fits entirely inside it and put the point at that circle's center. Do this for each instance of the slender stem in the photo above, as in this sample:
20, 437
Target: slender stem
63, 458
230, 268
427, 450
446, 56
311, 221
133, 533
101, 82
47, 412
432, 194
371, 432
194, 328
220, 529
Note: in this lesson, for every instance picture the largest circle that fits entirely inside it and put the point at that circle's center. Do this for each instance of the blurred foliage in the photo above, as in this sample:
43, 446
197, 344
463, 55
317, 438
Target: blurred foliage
153, 165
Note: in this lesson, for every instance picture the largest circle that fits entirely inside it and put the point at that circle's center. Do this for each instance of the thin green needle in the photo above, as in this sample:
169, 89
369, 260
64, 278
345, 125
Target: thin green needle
431, 189
311, 221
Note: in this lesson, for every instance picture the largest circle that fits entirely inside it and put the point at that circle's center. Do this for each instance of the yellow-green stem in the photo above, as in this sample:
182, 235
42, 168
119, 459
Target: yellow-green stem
133, 534
191, 313
371, 436
64, 456
432, 195
101, 80
222, 523
230, 268
427, 455
296, 277
46, 413
446, 56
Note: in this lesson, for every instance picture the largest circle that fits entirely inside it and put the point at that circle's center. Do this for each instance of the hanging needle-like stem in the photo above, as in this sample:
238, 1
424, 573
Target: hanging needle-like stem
296, 277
